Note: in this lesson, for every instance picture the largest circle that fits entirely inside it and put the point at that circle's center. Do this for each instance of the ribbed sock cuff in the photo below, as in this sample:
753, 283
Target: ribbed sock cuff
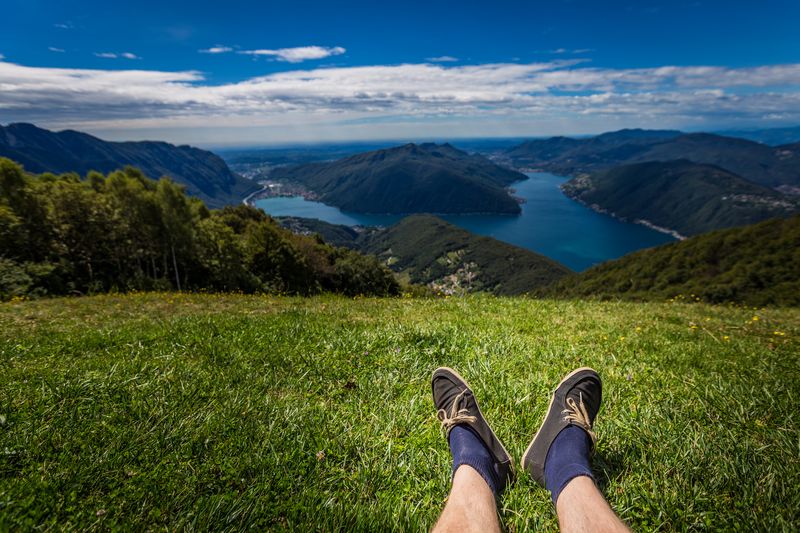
566, 474
480, 466
567, 458
467, 448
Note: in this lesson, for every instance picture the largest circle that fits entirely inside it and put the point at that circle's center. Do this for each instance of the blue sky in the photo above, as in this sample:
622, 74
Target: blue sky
272, 72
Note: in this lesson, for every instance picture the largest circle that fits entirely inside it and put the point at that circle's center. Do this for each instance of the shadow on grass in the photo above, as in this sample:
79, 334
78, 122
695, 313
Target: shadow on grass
609, 464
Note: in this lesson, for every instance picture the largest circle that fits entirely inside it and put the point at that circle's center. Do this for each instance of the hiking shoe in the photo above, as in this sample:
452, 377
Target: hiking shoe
576, 402
456, 405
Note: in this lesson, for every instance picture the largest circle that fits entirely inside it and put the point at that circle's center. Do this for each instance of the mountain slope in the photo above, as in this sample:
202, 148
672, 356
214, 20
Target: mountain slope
766, 165
771, 136
755, 265
680, 196
427, 250
409, 179
566, 155
204, 174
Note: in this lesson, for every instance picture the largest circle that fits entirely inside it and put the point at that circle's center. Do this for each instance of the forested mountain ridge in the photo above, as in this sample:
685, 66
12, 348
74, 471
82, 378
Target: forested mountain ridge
753, 265
769, 166
681, 196
123, 231
204, 174
427, 250
412, 178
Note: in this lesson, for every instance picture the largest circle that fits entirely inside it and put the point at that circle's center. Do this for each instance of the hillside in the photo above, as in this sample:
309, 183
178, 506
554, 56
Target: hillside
426, 250
566, 155
124, 232
771, 136
204, 174
409, 179
765, 165
682, 196
430, 251
754, 265
172, 412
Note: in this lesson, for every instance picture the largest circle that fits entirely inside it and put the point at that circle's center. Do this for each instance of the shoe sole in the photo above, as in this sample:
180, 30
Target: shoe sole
550, 406
465, 382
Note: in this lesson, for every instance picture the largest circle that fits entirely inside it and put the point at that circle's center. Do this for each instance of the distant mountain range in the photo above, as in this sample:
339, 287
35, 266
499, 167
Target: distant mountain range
426, 250
429, 178
771, 136
685, 197
204, 174
755, 265
776, 167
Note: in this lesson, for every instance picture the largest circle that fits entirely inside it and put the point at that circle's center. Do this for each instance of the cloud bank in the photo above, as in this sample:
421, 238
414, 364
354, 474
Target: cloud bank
412, 95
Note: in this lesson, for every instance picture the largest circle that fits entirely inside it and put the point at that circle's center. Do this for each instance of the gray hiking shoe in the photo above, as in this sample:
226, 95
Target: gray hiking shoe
576, 402
455, 404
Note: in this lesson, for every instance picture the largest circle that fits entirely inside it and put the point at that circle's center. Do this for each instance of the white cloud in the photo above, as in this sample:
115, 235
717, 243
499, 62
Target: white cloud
54, 49
114, 55
298, 54
216, 49
2, 57
382, 97
560, 51
441, 59
64, 25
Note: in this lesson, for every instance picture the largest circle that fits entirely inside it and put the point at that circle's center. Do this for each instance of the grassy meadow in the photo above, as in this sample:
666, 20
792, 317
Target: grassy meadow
168, 411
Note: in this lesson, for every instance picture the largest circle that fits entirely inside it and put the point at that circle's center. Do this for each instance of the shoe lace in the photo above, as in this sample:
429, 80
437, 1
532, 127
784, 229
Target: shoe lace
576, 413
457, 415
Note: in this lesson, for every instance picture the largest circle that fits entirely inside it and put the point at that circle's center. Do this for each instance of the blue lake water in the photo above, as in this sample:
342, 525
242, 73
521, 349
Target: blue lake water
550, 224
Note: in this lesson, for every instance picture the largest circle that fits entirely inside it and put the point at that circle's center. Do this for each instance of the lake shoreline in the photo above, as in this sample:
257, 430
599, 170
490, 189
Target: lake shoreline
641, 221
550, 223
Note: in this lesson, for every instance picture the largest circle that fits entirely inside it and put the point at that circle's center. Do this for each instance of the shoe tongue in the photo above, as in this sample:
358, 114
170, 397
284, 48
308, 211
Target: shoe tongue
587, 391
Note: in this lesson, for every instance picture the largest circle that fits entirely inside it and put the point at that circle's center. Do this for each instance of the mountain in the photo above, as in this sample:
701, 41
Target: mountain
411, 178
753, 265
775, 167
425, 249
681, 196
204, 174
568, 155
771, 136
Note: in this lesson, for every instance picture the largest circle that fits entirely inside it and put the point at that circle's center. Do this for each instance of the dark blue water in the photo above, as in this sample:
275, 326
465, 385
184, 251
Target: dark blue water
550, 224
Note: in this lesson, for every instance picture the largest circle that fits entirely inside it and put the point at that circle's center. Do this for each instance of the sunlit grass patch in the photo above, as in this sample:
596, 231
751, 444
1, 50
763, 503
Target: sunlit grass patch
177, 411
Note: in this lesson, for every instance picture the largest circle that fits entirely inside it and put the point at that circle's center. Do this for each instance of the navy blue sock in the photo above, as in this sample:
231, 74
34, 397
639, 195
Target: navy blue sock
567, 458
468, 449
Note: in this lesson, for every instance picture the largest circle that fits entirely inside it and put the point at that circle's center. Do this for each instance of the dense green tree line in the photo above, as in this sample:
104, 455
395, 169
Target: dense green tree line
123, 231
753, 265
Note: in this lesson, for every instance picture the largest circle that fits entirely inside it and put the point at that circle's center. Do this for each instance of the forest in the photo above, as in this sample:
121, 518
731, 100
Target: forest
62, 235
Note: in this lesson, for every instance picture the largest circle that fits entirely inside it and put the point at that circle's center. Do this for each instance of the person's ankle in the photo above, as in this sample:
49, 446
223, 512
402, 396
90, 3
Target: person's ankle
567, 458
468, 449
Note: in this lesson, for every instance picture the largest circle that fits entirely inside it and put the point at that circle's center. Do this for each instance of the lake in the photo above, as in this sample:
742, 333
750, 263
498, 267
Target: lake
550, 224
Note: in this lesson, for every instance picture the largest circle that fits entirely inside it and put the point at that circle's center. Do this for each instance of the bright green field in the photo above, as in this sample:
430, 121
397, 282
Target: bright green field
197, 412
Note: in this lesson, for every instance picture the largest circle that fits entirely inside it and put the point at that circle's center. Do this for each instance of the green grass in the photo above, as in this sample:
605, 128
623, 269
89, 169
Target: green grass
197, 412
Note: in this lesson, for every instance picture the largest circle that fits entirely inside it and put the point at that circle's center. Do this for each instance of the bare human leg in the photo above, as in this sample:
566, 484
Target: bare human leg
582, 508
470, 505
